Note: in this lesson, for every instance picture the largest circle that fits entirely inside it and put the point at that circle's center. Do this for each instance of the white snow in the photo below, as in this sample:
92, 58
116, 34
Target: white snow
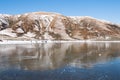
49, 41
85, 17
8, 32
3, 21
19, 30
29, 34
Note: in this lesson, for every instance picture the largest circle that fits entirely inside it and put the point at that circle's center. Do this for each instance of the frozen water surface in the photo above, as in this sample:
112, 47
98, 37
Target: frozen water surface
60, 61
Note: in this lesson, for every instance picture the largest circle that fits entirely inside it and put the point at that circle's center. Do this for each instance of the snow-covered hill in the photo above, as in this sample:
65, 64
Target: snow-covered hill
54, 26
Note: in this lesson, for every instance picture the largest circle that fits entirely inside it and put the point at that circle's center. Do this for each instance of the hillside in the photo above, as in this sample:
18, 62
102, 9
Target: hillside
54, 26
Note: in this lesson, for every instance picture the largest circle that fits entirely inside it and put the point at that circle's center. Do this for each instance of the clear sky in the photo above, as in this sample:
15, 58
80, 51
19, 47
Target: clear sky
102, 9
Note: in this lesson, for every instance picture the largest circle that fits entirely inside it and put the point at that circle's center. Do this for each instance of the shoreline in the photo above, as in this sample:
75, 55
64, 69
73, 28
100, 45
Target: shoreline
50, 41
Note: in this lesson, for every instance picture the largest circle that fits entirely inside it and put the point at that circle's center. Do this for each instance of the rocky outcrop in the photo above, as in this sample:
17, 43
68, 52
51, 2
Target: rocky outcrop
54, 26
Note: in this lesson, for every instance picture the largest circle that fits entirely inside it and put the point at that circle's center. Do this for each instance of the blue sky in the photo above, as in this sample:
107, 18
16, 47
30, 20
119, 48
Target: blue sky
102, 9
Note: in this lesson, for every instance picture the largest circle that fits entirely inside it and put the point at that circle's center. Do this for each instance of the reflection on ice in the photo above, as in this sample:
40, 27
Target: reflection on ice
54, 55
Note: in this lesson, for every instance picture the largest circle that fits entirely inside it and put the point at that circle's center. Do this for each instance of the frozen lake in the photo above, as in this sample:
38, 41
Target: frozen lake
60, 61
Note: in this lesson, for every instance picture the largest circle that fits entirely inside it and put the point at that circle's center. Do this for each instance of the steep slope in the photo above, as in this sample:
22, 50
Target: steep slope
54, 26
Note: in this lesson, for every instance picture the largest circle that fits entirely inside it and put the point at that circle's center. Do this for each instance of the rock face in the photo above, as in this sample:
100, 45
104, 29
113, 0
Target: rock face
54, 26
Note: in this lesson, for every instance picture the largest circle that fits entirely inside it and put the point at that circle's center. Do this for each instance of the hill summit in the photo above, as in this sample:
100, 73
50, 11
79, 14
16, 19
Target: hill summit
54, 26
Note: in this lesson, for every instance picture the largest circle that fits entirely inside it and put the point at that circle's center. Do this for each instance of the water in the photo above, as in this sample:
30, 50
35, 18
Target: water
60, 61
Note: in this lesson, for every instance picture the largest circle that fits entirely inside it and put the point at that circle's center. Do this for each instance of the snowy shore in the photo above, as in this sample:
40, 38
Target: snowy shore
49, 41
